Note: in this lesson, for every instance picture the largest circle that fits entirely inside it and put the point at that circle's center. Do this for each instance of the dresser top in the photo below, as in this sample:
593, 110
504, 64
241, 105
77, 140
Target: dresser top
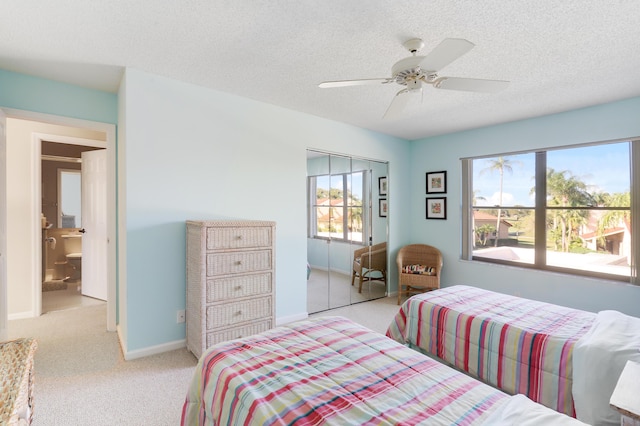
625, 395
231, 223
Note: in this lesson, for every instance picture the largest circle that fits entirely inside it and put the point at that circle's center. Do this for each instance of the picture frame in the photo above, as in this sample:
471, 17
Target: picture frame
383, 207
437, 182
382, 185
436, 208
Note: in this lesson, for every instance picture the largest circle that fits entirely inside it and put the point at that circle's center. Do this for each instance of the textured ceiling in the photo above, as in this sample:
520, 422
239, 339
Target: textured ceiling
558, 55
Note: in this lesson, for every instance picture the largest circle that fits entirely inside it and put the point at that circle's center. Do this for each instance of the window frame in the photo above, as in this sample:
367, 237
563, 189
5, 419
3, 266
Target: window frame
312, 218
541, 209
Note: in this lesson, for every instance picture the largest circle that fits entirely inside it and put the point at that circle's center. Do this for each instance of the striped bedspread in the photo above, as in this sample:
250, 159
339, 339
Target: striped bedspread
331, 371
518, 345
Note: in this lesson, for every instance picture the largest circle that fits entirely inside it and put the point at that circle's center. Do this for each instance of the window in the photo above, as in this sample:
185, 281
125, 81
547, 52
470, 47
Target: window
567, 210
337, 207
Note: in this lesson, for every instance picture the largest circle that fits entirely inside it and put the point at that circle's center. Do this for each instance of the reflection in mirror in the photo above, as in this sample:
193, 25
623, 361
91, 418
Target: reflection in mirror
70, 202
346, 244
318, 231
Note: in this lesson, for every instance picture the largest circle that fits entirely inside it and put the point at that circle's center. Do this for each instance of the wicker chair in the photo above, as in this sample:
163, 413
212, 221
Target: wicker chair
418, 254
368, 260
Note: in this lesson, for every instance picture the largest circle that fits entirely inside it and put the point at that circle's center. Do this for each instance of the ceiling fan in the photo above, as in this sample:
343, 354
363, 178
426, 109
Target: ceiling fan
416, 71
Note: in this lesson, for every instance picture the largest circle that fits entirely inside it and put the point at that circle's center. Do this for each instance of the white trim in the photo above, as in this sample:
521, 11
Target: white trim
21, 315
291, 318
71, 140
36, 224
154, 350
4, 309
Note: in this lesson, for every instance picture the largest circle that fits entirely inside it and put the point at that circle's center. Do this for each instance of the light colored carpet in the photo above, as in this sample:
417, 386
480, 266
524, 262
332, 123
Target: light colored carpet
82, 378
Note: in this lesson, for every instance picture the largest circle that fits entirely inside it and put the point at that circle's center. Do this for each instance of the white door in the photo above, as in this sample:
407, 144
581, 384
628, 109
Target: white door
94, 223
4, 314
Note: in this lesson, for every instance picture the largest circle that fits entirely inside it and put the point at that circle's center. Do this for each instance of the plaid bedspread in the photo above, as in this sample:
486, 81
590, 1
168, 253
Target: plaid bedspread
518, 345
330, 371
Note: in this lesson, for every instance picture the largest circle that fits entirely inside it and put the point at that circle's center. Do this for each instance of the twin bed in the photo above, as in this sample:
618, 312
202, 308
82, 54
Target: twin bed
334, 371
567, 359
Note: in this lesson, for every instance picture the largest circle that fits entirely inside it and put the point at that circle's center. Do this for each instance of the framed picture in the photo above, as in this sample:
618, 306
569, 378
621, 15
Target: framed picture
437, 182
382, 185
436, 208
383, 207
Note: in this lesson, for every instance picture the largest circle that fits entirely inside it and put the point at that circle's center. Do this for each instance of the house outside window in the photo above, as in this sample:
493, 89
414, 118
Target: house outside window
565, 209
337, 207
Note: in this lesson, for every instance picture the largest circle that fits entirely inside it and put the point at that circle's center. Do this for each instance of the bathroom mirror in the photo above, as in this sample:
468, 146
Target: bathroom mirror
70, 199
343, 223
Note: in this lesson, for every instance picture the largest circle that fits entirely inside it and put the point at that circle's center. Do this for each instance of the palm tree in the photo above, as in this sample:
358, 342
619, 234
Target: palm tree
483, 232
566, 190
500, 164
474, 201
614, 217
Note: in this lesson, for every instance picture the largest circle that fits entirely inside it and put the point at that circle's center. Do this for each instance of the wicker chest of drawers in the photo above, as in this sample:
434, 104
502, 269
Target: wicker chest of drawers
230, 281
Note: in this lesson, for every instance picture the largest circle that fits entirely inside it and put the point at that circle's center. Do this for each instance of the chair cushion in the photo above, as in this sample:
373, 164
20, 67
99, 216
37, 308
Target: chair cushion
419, 270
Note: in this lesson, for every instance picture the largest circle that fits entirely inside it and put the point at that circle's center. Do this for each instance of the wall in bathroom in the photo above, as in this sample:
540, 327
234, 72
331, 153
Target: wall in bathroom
55, 255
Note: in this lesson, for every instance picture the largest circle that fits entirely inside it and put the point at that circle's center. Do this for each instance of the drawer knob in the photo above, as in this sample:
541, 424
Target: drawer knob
238, 288
239, 313
239, 237
239, 262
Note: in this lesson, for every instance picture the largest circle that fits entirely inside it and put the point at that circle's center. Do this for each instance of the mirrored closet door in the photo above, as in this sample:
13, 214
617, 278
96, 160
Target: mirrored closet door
346, 230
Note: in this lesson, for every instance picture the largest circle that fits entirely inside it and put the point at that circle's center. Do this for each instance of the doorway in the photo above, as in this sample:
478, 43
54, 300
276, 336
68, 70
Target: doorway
23, 212
68, 278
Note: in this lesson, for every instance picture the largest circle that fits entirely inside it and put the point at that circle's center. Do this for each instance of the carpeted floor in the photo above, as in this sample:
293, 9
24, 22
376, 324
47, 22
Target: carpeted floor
82, 378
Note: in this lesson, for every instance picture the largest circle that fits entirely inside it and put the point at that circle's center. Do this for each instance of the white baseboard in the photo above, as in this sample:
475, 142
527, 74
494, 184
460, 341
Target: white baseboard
151, 350
21, 315
291, 318
154, 350
178, 344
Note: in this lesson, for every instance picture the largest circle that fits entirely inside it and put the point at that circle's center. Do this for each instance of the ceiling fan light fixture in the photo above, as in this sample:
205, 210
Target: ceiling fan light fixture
414, 45
414, 85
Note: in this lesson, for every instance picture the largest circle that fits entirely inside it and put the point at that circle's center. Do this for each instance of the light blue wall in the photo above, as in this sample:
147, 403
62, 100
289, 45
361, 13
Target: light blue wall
29, 93
599, 123
195, 153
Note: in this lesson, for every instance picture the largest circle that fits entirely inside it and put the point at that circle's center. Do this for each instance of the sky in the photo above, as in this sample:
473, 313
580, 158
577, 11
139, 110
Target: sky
602, 167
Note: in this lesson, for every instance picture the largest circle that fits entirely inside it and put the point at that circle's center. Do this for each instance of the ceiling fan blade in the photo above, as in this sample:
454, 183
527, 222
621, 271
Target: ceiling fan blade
397, 105
470, 84
446, 52
364, 82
